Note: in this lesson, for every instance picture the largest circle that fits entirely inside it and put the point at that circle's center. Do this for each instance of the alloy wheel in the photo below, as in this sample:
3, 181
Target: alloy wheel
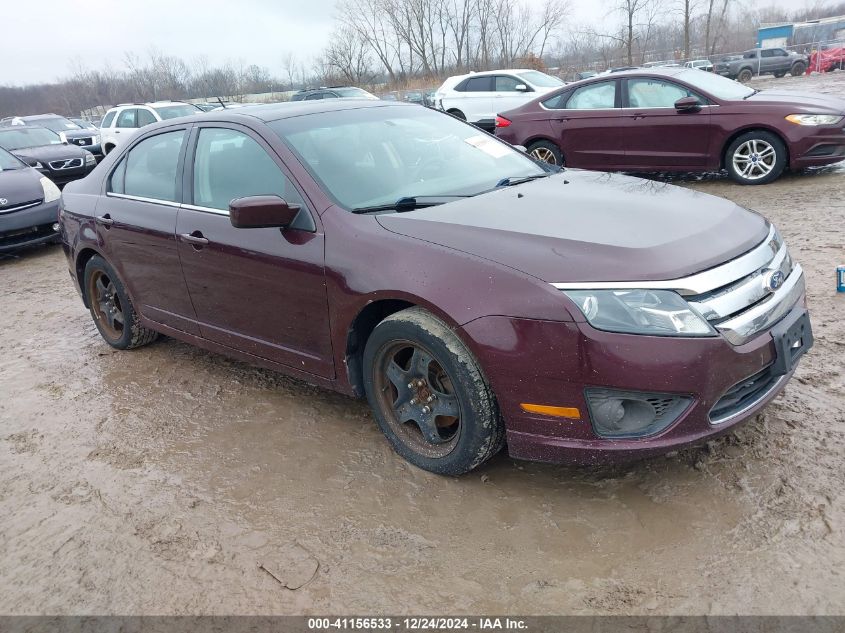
754, 159
418, 398
544, 154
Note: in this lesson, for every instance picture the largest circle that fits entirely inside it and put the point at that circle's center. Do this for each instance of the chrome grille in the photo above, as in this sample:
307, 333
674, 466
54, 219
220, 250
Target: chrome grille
20, 206
66, 164
83, 141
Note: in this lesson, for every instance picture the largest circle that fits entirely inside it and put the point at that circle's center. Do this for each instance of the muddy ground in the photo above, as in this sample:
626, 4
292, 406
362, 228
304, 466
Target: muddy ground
160, 481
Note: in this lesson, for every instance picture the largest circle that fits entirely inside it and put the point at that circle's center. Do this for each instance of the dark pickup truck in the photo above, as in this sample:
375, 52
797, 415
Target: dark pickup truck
762, 61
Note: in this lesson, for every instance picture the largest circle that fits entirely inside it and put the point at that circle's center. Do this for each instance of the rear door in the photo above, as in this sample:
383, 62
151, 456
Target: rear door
261, 291
656, 135
476, 99
587, 124
136, 220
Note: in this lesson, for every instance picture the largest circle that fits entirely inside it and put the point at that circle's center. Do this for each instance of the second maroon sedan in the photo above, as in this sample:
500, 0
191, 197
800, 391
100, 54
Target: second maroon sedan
679, 120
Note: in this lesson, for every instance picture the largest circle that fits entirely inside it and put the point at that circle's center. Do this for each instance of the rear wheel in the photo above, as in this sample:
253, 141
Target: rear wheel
756, 158
546, 151
798, 68
111, 308
429, 396
745, 75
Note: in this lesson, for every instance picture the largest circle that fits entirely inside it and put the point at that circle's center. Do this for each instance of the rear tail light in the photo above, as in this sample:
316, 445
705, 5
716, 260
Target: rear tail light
502, 121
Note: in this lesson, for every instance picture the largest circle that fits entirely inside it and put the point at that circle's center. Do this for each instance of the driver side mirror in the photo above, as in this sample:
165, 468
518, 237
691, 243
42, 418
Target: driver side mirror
521, 88
688, 104
261, 212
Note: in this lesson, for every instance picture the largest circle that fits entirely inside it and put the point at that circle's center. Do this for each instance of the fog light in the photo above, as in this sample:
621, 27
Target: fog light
621, 414
56, 227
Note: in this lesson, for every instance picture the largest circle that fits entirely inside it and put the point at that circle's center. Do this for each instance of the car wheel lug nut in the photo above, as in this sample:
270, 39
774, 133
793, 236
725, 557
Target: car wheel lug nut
426, 409
410, 385
413, 400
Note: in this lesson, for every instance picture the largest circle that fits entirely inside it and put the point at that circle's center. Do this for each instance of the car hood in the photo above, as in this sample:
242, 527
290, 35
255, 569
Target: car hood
819, 103
582, 226
49, 152
20, 185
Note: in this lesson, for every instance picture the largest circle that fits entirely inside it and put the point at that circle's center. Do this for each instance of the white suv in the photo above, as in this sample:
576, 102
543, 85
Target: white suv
479, 97
122, 121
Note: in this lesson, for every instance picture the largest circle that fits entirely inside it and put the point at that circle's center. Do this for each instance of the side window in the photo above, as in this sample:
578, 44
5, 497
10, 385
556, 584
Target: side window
598, 96
654, 93
557, 102
117, 182
108, 119
781, 53
767, 53
314, 96
478, 84
145, 117
126, 118
151, 167
507, 84
749, 55
229, 164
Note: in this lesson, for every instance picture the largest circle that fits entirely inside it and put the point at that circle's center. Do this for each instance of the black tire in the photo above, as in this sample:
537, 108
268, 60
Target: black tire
769, 166
745, 75
107, 149
780, 74
546, 151
109, 298
457, 114
407, 342
798, 68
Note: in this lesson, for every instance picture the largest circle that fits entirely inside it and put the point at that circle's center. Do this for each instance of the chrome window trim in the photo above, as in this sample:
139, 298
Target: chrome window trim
196, 207
697, 284
125, 196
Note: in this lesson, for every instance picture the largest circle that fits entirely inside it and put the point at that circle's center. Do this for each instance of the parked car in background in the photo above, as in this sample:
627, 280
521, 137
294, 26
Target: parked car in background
333, 92
43, 149
414, 96
86, 138
84, 124
29, 205
477, 97
700, 64
586, 74
122, 121
617, 318
679, 120
762, 61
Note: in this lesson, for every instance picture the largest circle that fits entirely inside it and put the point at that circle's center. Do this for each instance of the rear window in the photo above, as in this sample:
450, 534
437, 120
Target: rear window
172, 112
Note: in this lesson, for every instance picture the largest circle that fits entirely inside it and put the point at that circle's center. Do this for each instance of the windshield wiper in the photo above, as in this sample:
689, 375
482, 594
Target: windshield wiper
518, 180
409, 203
754, 92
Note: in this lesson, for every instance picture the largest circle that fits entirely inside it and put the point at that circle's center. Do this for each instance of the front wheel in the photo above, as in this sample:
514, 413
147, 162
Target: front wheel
111, 308
429, 395
798, 68
755, 158
745, 75
780, 74
547, 152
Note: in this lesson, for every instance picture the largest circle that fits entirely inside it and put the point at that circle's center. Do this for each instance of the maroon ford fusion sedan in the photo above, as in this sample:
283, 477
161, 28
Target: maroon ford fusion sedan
472, 294
684, 119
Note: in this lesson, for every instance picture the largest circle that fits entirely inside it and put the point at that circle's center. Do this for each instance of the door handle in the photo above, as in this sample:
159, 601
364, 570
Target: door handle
105, 220
196, 238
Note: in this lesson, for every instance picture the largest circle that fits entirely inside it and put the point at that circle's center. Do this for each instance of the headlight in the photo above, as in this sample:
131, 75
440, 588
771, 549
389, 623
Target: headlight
653, 312
38, 165
89, 159
814, 119
51, 191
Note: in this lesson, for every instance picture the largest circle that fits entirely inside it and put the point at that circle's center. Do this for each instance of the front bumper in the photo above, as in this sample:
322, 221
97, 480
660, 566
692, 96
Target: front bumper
544, 362
64, 176
20, 229
816, 146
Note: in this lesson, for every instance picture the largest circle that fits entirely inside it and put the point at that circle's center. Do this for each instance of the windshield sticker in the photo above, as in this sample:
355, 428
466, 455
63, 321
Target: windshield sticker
488, 145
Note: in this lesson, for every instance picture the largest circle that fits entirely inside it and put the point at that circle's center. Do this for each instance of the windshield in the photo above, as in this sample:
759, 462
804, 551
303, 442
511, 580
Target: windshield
28, 137
536, 78
374, 156
9, 162
719, 87
58, 124
354, 92
174, 111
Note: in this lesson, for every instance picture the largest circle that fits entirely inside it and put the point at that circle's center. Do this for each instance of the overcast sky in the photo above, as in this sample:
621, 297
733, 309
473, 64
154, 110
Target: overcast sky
41, 42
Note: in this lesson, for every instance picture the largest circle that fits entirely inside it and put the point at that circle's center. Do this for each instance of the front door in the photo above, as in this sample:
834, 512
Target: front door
261, 291
657, 136
137, 222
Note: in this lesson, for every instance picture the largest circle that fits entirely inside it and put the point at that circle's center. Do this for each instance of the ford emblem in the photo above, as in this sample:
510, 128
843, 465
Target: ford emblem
3, 202
773, 280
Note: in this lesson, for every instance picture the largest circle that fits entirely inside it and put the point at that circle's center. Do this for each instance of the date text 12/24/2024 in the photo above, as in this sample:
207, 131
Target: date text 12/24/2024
417, 624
